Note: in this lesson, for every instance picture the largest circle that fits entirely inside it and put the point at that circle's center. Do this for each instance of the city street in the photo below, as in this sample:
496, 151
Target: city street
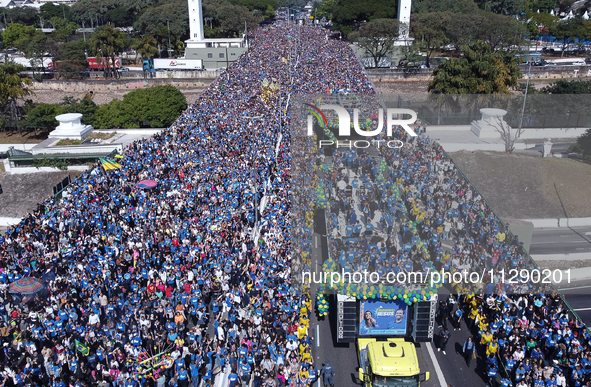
561, 240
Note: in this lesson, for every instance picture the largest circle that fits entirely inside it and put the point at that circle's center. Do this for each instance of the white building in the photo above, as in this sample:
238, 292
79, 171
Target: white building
215, 53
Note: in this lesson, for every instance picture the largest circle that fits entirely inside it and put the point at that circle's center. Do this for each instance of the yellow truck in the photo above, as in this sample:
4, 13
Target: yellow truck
390, 362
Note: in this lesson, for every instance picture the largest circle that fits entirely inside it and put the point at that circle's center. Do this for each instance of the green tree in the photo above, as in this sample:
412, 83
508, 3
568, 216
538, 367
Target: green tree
563, 86
231, 20
13, 88
566, 32
84, 106
41, 117
70, 58
156, 107
107, 42
503, 7
460, 29
63, 28
480, 71
35, 50
349, 14
323, 9
17, 35
270, 13
500, 31
454, 6
113, 116
583, 144
146, 47
50, 10
23, 15
377, 38
427, 29
154, 21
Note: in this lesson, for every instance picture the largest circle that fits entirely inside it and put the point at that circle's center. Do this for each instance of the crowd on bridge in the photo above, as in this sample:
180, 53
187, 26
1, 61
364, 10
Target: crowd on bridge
178, 284
410, 209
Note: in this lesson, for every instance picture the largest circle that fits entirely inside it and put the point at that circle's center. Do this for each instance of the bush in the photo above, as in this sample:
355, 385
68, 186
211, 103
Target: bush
156, 107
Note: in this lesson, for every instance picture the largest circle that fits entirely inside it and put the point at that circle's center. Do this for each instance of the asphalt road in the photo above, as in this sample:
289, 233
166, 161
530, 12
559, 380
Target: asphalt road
559, 145
561, 240
448, 369
577, 294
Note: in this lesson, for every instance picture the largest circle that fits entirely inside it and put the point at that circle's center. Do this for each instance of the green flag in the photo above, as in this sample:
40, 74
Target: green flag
82, 348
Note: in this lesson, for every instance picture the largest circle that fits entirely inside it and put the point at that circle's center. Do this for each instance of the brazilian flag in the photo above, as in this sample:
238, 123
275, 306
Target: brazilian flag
109, 164
82, 348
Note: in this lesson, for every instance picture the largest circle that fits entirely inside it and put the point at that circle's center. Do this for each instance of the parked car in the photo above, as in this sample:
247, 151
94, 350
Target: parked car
579, 63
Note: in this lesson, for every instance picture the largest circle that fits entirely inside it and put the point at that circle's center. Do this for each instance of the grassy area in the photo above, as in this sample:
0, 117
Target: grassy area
102, 136
26, 138
67, 141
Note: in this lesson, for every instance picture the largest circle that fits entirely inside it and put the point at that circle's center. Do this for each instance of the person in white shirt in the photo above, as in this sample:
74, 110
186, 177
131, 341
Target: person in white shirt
93, 319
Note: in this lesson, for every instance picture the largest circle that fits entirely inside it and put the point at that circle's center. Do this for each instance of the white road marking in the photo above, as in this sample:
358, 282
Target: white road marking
581, 309
317, 336
438, 371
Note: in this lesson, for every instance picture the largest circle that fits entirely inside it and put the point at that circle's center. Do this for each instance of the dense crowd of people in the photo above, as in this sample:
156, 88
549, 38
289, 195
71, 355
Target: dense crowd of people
181, 283
176, 284
417, 213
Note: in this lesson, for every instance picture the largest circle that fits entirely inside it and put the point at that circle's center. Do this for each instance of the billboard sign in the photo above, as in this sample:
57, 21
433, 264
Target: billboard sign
383, 318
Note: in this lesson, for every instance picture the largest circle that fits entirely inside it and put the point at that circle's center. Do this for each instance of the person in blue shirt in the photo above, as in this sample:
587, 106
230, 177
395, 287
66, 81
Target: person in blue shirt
468, 350
183, 377
492, 375
233, 379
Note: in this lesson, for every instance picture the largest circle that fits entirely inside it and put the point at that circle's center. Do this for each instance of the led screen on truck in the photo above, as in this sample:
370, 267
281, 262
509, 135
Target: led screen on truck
384, 318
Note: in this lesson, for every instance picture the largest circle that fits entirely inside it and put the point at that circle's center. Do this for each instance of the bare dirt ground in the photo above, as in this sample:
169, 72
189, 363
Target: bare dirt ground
395, 88
100, 97
23, 192
521, 186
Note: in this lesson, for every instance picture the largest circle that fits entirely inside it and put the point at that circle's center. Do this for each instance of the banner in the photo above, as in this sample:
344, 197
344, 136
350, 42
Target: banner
384, 318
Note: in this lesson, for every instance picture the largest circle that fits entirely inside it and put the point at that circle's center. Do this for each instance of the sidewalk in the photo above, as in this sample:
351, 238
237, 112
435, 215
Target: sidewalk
460, 137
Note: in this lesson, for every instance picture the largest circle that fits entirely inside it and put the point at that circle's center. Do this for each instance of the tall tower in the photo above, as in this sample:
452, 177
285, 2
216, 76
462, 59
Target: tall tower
196, 20
404, 17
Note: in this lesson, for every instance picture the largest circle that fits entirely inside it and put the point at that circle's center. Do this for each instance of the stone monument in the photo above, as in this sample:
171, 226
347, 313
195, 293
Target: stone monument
70, 127
488, 126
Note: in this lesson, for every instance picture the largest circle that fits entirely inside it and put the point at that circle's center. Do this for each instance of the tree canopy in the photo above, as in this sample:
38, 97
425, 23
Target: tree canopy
13, 87
107, 42
481, 70
156, 107
377, 37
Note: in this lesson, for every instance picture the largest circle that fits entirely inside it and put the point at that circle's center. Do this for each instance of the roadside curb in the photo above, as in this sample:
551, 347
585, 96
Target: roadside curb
559, 222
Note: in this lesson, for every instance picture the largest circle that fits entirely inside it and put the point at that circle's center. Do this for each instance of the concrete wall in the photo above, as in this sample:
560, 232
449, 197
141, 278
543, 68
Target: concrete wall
553, 72
528, 133
73, 150
121, 84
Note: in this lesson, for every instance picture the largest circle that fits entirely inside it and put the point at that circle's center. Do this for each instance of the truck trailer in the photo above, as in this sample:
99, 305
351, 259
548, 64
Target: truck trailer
100, 64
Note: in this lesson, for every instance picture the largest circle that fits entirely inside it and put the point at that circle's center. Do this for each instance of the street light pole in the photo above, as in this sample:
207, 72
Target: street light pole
525, 97
168, 26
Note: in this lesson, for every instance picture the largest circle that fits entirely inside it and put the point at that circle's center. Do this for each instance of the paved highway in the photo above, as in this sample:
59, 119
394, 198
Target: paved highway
561, 240
577, 295
559, 145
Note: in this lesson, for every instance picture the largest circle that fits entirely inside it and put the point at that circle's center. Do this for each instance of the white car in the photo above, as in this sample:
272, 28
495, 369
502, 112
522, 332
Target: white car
579, 63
